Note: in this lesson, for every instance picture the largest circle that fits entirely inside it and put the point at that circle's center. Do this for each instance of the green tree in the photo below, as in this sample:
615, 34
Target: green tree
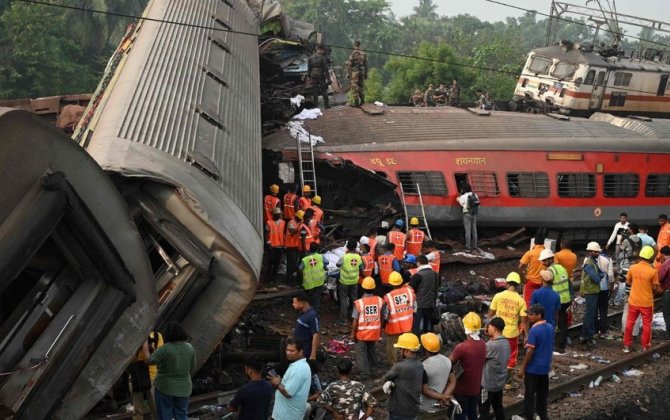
426, 10
38, 59
374, 86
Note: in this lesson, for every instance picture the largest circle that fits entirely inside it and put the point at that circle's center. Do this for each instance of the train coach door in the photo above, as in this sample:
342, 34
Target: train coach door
598, 90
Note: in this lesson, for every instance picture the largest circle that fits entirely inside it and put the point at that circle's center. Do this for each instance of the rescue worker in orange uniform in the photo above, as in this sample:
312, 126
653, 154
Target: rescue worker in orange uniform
275, 241
398, 314
369, 264
386, 264
318, 211
366, 328
314, 225
397, 238
415, 237
290, 203
433, 255
305, 234
271, 201
532, 265
305, 201
293, 245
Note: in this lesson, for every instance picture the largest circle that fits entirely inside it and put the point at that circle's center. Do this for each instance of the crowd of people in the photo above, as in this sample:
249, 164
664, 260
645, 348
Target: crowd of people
441, 96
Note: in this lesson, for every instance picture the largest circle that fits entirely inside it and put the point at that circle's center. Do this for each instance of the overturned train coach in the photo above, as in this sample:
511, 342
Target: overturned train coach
151, 214
529, 170
575, 80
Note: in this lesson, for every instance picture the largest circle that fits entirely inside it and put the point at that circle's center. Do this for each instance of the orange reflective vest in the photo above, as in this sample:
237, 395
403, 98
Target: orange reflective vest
368, 267
369, 310
371, 243
308, 237
385, 263
435, 264
318, 213
415, 239
314, 228
304, 203
397, 238
292, 240
412, 271
269, 203
289, 205
276, 231
400, 304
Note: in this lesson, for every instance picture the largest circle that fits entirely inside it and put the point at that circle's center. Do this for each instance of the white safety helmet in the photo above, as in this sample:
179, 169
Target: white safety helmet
593, 246
546, 253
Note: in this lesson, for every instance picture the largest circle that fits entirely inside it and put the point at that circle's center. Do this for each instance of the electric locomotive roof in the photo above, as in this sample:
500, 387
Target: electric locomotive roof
594, 59
394, 128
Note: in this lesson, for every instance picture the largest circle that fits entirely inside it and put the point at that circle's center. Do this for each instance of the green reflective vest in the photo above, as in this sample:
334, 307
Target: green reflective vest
313, 274
350, 268
590, 286
561, 284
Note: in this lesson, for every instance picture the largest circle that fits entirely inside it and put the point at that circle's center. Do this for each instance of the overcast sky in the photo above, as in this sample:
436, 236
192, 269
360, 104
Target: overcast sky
651, 9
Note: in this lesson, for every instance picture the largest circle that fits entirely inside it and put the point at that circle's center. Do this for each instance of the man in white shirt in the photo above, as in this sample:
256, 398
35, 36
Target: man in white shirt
469, 218
617, 233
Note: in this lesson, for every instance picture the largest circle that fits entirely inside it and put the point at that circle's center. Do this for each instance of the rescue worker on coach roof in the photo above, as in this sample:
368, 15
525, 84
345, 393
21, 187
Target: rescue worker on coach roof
357, 72
317, 70
455, 93
398, 313
415, 237
271, 201
441, 94
429, 96
417, 98
366, 328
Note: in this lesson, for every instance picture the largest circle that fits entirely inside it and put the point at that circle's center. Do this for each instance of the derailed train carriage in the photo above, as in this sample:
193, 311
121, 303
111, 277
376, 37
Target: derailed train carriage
152, 214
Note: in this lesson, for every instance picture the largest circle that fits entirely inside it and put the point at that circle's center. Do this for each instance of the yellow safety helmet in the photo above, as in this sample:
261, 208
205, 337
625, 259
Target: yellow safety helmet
316, 199
414, 221
408, 341
368, 283
513, 277
300, 214
472, 321
647, 252
395, 278
306, 188
430, 342
274, 188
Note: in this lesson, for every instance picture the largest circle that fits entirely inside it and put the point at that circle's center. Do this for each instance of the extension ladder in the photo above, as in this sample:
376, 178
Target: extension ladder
306, 165
415, 210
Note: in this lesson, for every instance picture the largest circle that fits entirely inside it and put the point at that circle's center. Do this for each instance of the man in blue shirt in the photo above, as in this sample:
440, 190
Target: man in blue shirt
537, 363
252, 401
645, 238
306, 329
293, 388
548, 298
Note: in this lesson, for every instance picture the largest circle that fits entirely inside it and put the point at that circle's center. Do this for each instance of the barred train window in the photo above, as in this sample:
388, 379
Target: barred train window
576, 185
621, 185
430, 183
528, 184
484, 184
658, 185
622, 79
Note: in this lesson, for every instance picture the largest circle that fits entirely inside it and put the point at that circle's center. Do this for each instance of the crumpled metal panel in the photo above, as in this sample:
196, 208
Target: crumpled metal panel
655, 128
408, 128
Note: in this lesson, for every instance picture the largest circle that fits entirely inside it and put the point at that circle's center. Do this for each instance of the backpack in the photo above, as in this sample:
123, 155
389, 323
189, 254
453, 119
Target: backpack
635, 247
473, 204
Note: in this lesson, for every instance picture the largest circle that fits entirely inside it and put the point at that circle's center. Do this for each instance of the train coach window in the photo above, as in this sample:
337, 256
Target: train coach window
618, 99
564, 70
576, 185
528, 184
431, 183
658, 185
622, 79
485, 184
590, 77
539, 65
621, 185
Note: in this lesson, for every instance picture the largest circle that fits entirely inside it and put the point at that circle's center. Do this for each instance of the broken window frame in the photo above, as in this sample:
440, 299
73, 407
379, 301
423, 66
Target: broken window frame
576, 184
621, 185
528, 184
430, 182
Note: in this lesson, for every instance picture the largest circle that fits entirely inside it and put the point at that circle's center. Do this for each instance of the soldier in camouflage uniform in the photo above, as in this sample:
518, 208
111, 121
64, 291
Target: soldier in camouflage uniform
357, 72
317, 70
345, 397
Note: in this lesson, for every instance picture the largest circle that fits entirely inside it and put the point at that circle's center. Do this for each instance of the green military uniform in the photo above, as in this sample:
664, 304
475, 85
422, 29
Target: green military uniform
317, 69
357, 70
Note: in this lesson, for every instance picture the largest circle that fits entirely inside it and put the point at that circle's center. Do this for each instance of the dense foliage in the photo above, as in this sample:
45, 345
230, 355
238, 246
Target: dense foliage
51, 51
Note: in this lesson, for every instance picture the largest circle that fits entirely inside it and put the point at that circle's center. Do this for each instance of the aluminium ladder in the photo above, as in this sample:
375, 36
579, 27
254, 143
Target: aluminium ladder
418, 210
306, 165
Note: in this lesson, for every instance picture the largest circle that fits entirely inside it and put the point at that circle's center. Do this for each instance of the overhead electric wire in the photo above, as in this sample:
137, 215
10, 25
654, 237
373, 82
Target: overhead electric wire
348, 48
576, 22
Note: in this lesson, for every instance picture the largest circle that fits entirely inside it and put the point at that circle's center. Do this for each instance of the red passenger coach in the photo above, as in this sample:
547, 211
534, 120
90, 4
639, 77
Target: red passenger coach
529, 170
